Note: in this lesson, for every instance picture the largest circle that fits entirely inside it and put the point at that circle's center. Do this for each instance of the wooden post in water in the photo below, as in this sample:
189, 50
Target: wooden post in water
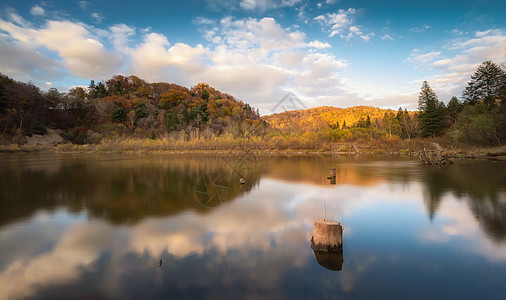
327, 236
332, 176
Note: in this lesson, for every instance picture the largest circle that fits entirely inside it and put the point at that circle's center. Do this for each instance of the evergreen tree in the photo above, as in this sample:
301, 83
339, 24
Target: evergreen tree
432, 112
368, 122
119, 114
487, 84
453, 109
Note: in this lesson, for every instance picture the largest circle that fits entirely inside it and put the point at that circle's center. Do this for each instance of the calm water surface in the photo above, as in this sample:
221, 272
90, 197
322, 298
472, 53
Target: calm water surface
97, 226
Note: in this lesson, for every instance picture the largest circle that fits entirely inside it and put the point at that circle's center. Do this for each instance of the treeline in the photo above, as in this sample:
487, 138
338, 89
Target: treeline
123, 106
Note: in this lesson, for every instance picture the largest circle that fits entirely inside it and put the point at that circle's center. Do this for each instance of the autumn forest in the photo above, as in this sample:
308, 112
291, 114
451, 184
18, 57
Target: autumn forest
128, 113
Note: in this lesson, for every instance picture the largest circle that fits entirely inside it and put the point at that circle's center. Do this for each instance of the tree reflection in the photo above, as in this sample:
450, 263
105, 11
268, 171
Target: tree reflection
122, 189
482, 184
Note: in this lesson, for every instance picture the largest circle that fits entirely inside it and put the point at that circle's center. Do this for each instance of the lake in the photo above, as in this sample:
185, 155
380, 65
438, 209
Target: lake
153, 226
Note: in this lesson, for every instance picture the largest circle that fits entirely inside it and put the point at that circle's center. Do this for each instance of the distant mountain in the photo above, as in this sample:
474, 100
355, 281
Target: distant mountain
324, 116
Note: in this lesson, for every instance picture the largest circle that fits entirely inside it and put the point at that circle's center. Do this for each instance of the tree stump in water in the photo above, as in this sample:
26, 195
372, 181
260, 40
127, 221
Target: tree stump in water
327, 236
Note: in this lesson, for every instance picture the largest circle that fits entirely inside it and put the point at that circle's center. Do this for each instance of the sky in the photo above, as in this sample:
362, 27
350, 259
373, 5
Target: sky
326, 52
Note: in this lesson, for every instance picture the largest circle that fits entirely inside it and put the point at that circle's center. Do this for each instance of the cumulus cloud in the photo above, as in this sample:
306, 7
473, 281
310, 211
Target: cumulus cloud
80, 51
27, 64
37, 10
259, 61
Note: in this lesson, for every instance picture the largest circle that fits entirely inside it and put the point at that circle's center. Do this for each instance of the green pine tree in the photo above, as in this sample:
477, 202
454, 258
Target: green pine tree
487, 84
432, 112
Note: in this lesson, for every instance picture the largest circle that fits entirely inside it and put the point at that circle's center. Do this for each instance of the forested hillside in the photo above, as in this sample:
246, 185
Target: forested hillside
121, 106
326, 116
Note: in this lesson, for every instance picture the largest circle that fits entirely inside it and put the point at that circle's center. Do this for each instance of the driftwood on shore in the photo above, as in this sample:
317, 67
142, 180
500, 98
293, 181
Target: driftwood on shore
434, 157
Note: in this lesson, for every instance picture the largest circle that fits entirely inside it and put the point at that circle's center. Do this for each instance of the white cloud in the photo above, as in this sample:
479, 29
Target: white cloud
387, 37
27, 64
424, 59
320, 18
203, 21
263, 5
156, 60
250, 5
37, 10
458, 32
341, 21
83, 4
422, 28
17, 19
81, 53
120, 33
318, 45
356, 32
98, 17
342, 24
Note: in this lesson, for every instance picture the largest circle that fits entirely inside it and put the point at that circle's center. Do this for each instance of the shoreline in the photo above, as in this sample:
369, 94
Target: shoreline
490, 153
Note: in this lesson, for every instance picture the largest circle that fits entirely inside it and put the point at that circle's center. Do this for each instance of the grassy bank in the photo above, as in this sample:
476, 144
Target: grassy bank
279, 144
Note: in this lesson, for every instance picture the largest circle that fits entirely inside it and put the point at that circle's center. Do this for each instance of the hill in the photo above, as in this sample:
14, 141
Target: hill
121, 106
325, 116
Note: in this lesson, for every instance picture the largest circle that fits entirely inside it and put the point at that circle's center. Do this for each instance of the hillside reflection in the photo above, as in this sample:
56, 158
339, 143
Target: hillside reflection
120, 189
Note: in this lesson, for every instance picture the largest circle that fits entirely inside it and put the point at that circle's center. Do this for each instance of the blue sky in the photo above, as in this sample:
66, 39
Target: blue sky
326, 52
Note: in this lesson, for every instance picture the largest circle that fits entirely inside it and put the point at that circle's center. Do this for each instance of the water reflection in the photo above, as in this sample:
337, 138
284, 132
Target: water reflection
121, 190
330, 260
92, 227
480, 184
